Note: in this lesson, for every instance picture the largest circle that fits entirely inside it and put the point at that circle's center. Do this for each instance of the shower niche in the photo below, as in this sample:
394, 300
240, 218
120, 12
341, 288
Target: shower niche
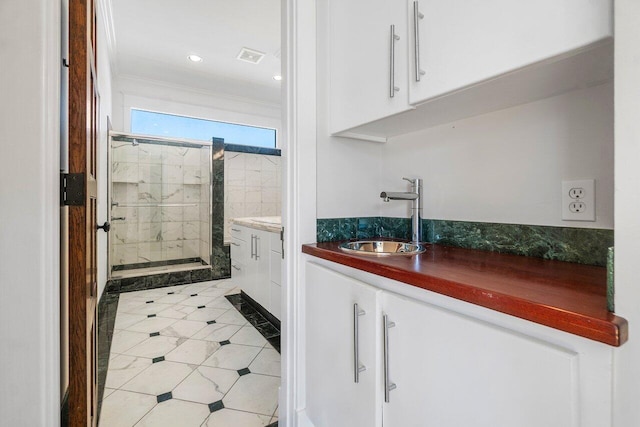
160, 207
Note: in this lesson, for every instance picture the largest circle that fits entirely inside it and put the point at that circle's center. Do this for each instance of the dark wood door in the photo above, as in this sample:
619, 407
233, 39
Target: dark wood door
83, 138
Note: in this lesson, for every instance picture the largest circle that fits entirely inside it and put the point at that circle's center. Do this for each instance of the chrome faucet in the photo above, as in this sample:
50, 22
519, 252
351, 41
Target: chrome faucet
415, 195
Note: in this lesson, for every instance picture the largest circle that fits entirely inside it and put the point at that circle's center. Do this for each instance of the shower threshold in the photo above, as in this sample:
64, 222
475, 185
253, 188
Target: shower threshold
136, 272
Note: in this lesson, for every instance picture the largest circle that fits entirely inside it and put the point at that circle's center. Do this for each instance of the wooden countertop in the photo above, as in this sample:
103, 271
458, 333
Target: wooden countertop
565, 296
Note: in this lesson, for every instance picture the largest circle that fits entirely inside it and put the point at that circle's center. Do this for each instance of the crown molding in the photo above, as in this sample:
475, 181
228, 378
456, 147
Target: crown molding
122, 78
106, 12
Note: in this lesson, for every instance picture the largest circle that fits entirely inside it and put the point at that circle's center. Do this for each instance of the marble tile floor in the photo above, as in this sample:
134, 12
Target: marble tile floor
184, 356
135, 272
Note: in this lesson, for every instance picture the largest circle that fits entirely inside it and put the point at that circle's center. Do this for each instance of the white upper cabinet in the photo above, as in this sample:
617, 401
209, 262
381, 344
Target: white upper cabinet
461, 43
365, 64
477, 56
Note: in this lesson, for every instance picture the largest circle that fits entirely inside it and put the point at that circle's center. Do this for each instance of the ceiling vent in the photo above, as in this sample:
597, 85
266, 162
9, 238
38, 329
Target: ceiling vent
250, 55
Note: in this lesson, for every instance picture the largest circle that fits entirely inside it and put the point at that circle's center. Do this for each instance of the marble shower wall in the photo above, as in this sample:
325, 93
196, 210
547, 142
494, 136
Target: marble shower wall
146, 175
252, 185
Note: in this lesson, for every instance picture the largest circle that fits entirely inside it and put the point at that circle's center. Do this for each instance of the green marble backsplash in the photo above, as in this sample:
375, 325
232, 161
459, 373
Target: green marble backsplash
580, 245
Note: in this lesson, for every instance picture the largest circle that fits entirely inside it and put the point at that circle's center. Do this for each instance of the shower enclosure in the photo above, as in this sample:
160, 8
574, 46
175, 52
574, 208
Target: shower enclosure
160, 193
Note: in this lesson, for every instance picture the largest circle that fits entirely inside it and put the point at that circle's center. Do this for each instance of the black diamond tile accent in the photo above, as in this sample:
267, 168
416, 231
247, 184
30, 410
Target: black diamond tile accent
194, 295
210, 322
225, 342
201, 306
151, 315
243, 371
158, 359
170, 293
273, 424
216, 406
154, 334
149, 302
164, 396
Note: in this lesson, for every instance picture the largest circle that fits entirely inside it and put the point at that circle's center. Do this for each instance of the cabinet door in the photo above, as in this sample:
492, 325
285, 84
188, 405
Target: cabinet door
260, 271
333, 397
466, 42
451, 371
360, 54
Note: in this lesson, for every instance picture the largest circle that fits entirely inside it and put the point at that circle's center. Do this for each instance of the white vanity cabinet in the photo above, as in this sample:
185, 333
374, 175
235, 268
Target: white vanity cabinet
365, 63
275, 274
461, 43
252, 265
442, 367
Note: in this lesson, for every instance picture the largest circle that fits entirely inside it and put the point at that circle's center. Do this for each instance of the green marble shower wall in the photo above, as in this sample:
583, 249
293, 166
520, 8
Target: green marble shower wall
580, 245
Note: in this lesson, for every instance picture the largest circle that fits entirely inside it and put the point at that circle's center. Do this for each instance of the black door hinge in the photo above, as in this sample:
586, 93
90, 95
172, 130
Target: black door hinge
72, 189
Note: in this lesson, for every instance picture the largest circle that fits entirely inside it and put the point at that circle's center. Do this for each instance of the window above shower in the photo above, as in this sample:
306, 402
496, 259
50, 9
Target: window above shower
165, 125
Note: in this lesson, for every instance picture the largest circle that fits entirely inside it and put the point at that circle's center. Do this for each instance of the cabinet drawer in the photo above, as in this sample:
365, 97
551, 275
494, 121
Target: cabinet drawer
239, 232
239, 250
237, 272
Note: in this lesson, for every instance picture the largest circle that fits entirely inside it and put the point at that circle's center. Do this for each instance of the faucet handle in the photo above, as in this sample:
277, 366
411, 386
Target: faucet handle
412, 181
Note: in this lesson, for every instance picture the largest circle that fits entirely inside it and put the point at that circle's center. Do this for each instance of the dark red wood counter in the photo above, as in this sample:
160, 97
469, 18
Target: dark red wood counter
565, 296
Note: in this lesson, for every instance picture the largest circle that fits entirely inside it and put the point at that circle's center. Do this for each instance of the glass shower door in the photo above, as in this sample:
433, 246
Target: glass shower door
160, 205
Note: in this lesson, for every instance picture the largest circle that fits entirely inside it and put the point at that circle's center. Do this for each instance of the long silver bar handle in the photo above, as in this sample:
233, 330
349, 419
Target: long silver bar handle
252, 237
388, 385
392, 63
357, 366
257, 239
417, 16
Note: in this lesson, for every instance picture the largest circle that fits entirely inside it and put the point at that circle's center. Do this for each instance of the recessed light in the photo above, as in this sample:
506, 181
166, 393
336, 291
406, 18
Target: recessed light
277, 78
194, 58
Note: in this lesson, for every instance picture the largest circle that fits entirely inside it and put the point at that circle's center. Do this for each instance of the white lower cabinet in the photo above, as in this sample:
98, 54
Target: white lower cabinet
253, 265
334, 398
452, 371
442, 368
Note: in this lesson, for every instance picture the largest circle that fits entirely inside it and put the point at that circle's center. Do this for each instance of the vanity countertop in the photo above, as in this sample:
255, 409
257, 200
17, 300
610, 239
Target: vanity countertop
566, 296
272, 224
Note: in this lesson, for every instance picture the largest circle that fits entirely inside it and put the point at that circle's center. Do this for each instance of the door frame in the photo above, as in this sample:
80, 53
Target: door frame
299, 185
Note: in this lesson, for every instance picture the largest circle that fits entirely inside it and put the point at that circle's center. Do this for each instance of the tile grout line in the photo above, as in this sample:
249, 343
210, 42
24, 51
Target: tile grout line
225, 310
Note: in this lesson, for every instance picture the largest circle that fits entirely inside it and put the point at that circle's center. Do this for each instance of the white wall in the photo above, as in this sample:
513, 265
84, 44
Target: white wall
627, 206
104, 87
348, 169
29, 212
507, 166
131, 92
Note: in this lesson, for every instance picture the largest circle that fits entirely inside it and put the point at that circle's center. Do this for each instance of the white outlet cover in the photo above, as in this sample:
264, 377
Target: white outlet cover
589, 200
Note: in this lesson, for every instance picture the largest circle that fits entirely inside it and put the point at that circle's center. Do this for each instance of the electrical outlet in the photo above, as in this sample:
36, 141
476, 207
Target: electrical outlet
577, 207
576, 193
579, 200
